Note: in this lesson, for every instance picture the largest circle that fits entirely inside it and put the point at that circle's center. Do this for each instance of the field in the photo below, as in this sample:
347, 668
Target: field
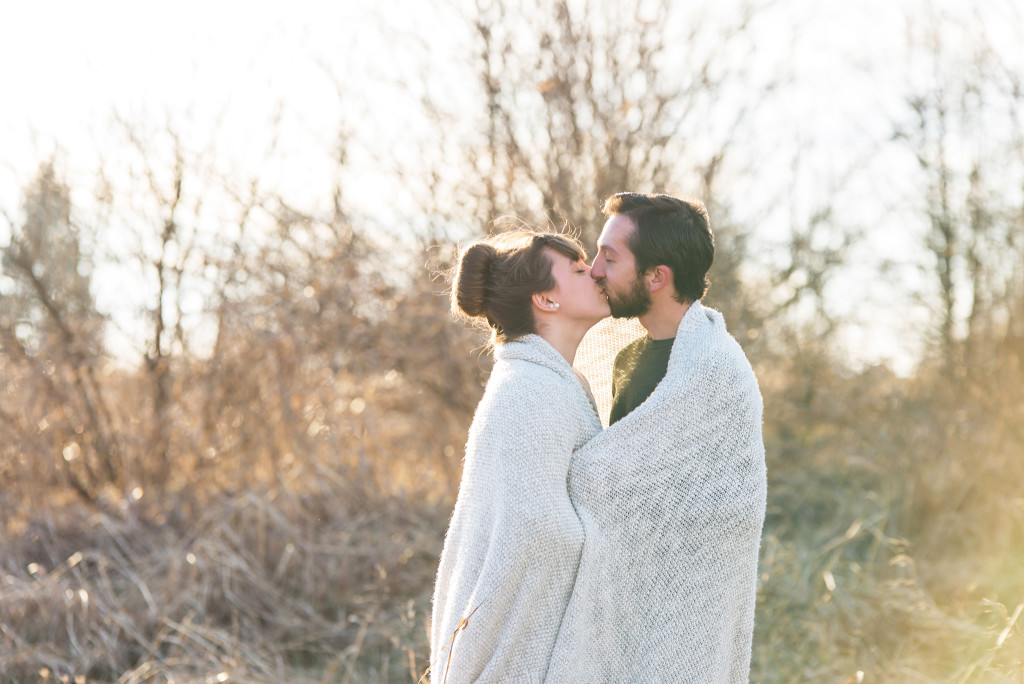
892, 547
233, 401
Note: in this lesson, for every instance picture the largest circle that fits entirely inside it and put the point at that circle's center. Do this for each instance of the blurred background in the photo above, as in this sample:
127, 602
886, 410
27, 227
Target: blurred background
233, 403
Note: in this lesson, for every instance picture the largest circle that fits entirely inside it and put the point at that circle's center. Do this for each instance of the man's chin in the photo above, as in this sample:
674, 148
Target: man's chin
628, 312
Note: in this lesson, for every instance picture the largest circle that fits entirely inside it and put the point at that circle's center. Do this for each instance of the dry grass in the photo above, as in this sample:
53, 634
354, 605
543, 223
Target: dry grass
305, 551
264, 586
895, 529
320, 576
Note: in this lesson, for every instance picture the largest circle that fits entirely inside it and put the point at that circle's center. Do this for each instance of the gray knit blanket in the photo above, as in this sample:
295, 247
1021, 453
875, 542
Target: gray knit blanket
514, 541
672, 500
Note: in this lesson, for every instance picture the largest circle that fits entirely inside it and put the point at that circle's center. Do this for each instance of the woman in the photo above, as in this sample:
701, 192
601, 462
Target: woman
514, 542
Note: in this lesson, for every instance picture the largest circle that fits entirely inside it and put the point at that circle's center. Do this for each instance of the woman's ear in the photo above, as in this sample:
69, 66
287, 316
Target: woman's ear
543, 301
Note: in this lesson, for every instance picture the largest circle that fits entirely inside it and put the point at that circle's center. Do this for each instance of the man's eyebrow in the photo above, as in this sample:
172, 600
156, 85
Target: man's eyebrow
606, 247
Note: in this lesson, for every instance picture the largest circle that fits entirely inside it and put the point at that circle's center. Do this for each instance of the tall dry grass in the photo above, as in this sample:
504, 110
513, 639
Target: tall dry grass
299, 582
894, 539
873, 560
290, 528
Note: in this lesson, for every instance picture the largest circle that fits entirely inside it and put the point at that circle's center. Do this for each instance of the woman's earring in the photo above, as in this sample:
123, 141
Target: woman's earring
555, 305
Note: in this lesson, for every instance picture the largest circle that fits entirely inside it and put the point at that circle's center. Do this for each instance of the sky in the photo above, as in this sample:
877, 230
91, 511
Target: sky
79, 64
231, 73
70, 66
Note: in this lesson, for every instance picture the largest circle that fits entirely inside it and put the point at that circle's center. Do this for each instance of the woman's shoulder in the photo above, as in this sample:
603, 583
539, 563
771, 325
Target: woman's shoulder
530, 380
519, 378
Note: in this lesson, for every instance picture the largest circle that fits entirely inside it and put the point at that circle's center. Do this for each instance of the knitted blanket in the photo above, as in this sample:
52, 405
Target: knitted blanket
672, 499
514, 541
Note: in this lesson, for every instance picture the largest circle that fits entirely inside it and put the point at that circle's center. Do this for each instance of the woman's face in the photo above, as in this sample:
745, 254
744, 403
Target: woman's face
579, 297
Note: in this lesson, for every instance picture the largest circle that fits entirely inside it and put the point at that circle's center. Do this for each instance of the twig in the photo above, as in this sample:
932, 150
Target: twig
986, 660
463, 624
1009, 625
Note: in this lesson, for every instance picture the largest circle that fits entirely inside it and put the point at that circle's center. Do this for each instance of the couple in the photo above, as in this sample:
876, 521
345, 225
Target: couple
623, 555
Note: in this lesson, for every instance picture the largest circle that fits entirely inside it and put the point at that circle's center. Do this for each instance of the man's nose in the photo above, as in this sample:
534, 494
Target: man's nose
596, 269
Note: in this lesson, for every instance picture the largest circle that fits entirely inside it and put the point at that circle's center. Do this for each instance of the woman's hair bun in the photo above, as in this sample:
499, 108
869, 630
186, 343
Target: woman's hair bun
471, 282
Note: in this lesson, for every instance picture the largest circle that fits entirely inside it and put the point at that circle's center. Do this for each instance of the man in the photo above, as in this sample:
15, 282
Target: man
672, 494
654, 275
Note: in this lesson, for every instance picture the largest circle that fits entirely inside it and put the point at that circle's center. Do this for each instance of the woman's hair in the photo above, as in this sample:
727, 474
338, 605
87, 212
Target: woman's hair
495, 279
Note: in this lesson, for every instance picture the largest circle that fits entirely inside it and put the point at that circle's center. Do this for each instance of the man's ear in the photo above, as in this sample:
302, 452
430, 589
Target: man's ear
658, 277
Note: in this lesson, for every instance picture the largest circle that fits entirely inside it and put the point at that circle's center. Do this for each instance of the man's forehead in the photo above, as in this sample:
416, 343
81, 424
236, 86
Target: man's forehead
616, 231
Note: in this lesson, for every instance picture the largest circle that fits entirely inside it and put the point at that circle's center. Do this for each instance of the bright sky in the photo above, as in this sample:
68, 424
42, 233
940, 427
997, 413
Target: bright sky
68, 66
220, 71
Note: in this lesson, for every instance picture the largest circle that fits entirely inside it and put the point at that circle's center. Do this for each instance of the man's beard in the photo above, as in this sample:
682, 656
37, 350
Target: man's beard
635, 302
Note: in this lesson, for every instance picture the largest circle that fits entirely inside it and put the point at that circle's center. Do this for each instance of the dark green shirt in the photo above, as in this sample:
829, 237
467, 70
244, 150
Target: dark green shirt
638, 370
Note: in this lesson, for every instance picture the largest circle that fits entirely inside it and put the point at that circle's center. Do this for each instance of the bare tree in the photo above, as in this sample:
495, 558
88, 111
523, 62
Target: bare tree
51, 343
963, 127
583, 100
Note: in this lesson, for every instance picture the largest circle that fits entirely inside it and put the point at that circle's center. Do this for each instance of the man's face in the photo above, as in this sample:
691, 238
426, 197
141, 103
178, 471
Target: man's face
614, 269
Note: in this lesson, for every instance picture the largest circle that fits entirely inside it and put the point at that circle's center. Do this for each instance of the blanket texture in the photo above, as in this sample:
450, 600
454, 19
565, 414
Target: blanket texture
672, 500
514, 541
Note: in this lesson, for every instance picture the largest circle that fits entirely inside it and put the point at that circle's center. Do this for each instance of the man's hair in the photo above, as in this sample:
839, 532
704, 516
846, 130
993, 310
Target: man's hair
668, 231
